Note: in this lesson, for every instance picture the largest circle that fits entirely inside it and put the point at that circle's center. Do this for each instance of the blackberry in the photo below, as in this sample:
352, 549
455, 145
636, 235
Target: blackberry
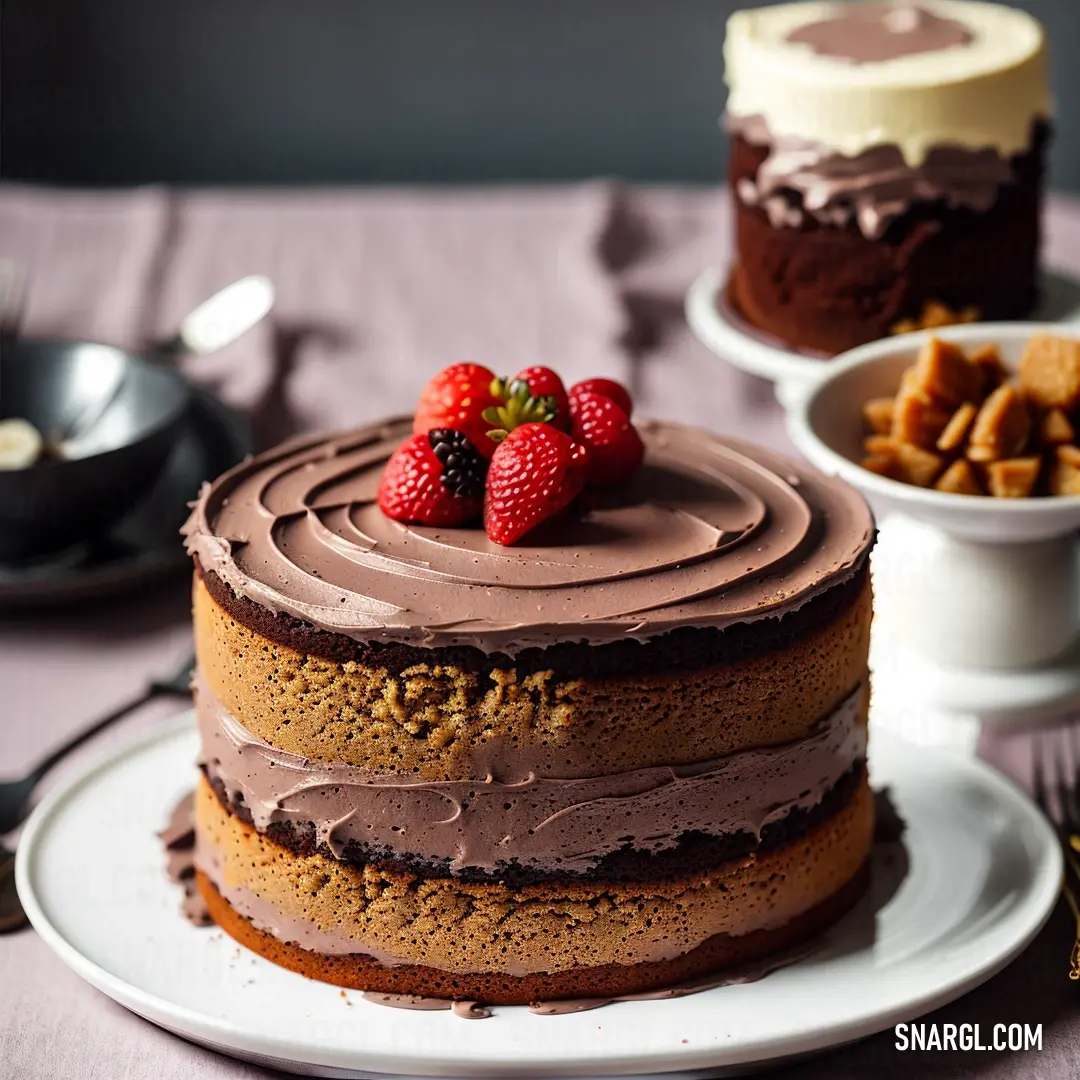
464, 468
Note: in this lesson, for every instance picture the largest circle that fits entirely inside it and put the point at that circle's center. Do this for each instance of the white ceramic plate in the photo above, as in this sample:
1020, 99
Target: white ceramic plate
982, 876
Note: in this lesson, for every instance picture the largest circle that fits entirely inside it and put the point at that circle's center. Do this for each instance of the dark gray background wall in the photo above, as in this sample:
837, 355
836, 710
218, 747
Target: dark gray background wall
343, 91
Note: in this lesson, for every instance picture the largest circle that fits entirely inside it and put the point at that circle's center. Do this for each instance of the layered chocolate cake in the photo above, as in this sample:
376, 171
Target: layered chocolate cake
886, 166
628, 751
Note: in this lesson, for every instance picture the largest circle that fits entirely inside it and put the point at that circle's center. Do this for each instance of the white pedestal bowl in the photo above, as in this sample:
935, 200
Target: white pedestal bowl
978, 597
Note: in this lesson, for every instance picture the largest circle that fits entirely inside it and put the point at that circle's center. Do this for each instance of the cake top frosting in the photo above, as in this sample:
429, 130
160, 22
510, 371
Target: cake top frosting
870, 33
708, 532
910, 74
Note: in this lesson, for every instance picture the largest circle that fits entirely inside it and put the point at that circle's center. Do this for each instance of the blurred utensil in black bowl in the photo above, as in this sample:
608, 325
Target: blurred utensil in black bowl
60, 500
108, 418
12, 298
144, 547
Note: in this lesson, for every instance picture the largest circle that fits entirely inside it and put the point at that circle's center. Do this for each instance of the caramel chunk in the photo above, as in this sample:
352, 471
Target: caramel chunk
1050, 372
952, 438
944, 374
880, 445
988, 360
1056, 428
965, 424
935, 314
918, 466
878, 414
1069, 455
1013, 478
1064, 478
1001, 428
883, 465
916, 418
959, 479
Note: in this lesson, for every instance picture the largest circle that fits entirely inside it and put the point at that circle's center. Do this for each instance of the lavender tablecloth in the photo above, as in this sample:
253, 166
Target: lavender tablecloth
376, 290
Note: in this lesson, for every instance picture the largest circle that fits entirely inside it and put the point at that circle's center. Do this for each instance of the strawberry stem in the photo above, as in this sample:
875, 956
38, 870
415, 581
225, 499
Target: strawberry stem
519, 407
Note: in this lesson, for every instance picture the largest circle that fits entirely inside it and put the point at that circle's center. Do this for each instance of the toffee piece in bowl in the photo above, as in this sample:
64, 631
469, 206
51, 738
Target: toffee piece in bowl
968, 582
108, 418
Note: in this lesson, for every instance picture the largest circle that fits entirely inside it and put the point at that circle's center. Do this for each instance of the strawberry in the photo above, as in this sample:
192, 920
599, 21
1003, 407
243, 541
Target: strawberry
536, 471
433, 478
608, 388
615, 447
543, 382
455, 399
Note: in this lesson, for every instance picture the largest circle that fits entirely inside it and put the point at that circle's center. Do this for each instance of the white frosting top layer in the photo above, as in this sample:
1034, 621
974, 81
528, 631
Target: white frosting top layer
983, 93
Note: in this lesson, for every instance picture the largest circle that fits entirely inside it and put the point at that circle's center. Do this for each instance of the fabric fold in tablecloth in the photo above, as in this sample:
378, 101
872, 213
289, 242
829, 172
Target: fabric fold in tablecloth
377, 289
91, 259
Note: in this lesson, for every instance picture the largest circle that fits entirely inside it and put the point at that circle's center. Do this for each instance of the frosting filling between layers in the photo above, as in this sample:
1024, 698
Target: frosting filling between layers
509, 813
327, 907
801, 178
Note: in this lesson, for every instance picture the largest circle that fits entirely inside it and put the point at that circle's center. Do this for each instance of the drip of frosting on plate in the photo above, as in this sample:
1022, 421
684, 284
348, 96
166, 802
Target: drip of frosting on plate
178, 840
469, 1010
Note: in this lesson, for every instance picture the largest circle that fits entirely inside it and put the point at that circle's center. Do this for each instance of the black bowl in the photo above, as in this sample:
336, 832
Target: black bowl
57, 503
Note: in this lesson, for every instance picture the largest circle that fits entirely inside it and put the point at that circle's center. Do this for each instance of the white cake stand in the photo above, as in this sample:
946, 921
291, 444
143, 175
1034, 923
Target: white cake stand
720, 327
978, 598
723, 330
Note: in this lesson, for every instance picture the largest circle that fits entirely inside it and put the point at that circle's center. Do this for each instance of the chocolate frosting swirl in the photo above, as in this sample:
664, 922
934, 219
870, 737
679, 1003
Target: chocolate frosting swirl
709, 532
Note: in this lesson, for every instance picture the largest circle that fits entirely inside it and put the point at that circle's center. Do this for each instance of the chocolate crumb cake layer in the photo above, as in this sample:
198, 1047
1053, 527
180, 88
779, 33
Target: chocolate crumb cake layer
628, 750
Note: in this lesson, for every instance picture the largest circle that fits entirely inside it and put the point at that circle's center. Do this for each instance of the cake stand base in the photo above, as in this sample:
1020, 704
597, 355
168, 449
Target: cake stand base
969, 630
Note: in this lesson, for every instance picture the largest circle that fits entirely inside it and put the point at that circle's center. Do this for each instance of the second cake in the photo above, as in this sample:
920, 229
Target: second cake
887, 165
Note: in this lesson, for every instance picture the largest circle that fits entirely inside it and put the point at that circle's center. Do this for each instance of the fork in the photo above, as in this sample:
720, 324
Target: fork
15, 794
1058, 794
